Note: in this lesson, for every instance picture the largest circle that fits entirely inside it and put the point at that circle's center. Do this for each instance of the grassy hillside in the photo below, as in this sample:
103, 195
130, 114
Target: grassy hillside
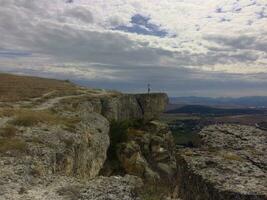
18, 88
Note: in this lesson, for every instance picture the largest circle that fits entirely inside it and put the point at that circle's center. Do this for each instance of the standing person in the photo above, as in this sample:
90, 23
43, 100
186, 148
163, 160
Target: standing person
148, 88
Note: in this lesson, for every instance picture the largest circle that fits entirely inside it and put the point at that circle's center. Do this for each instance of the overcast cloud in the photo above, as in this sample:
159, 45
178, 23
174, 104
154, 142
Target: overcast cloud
185, 47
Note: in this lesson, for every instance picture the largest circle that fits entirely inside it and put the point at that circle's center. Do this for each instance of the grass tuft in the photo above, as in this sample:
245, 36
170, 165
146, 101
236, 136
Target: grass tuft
8, 144
7, 112
9, 131
232, 157
29, 118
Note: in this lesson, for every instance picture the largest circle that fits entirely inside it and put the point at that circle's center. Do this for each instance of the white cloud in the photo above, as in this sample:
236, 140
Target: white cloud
222, 37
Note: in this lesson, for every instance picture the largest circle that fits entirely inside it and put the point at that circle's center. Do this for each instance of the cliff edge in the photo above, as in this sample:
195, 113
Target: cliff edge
54, 138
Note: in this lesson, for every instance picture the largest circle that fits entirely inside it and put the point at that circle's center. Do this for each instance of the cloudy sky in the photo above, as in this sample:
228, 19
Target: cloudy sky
183, 47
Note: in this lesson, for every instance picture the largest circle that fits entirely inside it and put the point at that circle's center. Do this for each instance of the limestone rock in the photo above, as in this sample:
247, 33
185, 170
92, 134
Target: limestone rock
59, 139
85, 157
134, 106
121, 107
152, 104
69, 188
229, 164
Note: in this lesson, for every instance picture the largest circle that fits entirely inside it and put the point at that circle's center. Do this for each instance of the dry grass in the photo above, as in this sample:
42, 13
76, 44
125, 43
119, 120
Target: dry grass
24, 117
17, 88
30, 118
7, 112
232, 157
11, 144
135, 133
27, 117
8, 131
188, 152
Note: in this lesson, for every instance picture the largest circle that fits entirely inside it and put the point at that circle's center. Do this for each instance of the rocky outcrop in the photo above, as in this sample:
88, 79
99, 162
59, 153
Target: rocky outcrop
230, 164
148, 152
121, 107
152, 104
130, 107
117, 106
50, 142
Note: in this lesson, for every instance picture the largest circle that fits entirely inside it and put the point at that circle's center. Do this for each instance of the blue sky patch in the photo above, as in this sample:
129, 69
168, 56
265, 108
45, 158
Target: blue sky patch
262, 14
13, 53
141, 25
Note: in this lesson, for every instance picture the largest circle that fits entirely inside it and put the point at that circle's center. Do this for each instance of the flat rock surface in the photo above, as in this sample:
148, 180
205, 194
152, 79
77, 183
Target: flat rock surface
231, 158
68, 188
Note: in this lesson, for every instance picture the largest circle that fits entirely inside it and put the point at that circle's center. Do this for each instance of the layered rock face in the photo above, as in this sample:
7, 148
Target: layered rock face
129, 107
230, 164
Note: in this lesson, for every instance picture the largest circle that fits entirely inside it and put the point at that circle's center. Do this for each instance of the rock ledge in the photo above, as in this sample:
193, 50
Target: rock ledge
229, 164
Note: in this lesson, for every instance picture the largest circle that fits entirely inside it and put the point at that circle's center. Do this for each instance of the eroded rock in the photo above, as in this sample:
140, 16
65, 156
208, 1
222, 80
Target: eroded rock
229, 164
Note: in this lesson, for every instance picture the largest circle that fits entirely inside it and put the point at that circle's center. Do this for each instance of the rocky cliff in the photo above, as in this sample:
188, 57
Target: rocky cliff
55, 143
129, 107
52, 145
229, 164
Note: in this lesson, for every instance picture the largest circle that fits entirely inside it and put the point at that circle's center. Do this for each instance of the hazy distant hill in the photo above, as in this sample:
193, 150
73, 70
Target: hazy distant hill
253, 101
206, 110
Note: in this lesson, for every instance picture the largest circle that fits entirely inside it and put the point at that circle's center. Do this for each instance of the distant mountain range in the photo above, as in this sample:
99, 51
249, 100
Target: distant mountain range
252, 101
207, 110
